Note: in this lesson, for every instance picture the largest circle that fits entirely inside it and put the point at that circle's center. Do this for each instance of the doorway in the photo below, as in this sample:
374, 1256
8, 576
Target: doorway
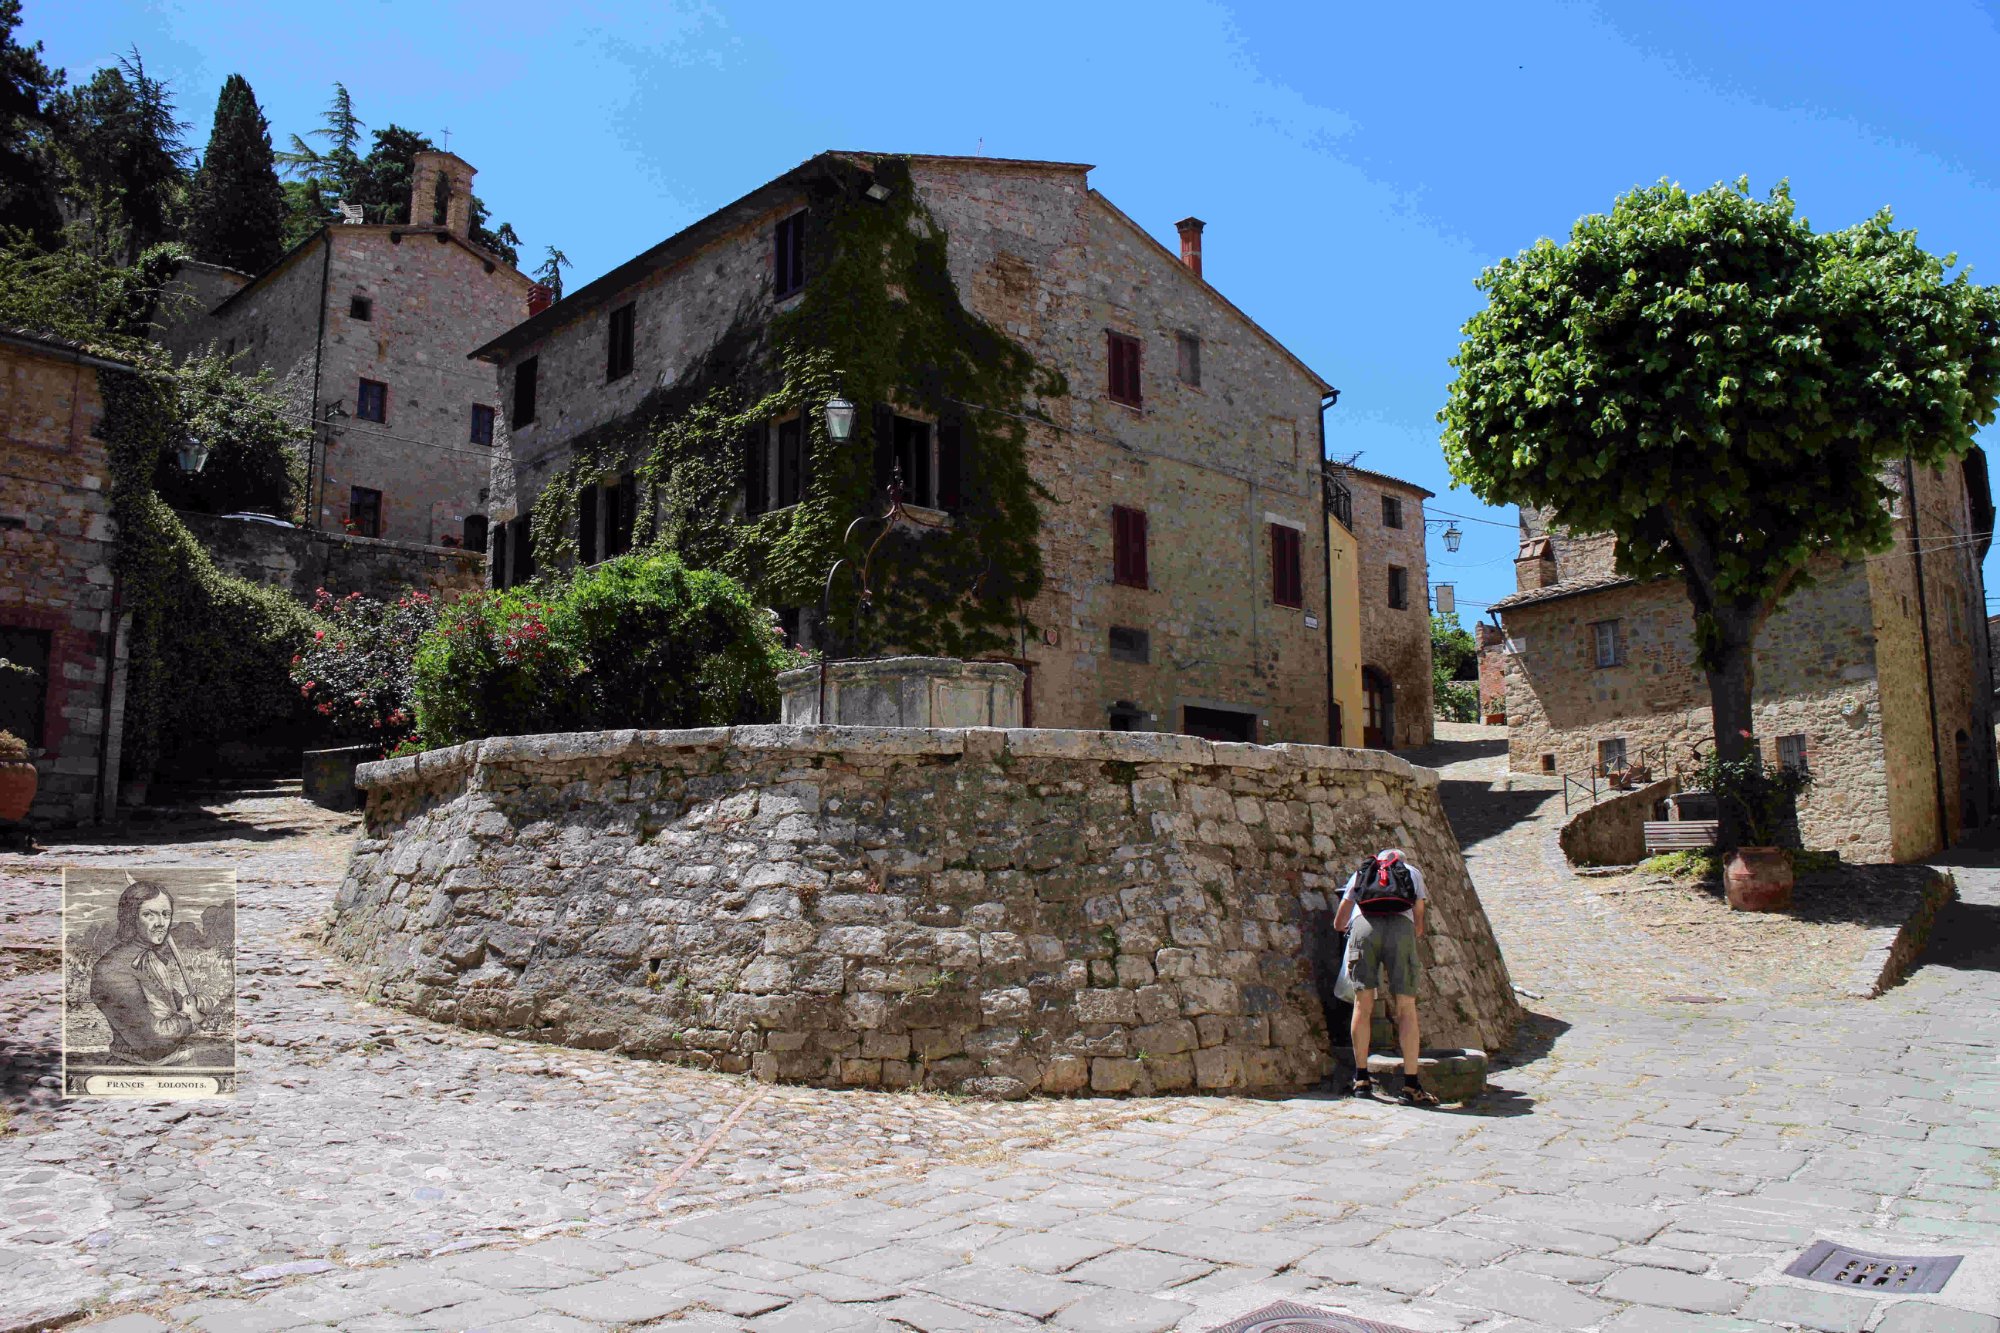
1378, 727
1219, 724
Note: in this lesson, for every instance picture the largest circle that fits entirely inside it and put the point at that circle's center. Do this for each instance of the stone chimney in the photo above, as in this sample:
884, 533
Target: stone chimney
1535, 565
1190, 229
441, 192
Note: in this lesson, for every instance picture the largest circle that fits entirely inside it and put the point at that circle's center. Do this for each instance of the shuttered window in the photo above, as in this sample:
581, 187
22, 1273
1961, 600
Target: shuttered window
1122, 353
756, 470
789, 259
482, 424
1128, 547
618, 342
950, 465
1287, 580
1399, 588
524, 391
790, 471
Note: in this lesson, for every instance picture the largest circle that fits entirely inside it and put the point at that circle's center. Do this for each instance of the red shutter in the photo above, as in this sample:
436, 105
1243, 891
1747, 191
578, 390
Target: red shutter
1128, 547
1286, 577
1132, 371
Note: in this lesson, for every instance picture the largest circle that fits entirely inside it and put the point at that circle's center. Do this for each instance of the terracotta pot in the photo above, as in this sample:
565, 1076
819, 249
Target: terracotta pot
1759, 879
18, 778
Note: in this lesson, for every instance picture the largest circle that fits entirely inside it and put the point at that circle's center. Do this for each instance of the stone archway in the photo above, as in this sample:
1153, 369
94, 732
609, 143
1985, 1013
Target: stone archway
1378, 692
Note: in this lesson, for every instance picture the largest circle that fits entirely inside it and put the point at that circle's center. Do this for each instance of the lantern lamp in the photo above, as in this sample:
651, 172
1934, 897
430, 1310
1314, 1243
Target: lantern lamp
839, 418
1452, 537
193, 455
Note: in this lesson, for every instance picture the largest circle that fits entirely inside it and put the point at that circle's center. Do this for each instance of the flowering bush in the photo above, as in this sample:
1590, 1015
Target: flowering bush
355, 672
640, 641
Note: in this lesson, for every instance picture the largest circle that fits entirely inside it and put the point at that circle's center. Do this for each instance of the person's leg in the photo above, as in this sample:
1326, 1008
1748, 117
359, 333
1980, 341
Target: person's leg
1360, 1029
1406, 1028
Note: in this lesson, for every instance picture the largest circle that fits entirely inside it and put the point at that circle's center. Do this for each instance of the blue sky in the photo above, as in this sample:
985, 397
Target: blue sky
1357, 164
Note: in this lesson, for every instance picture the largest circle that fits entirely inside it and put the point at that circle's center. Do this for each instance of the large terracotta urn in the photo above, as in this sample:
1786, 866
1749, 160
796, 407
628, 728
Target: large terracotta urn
1759, 879
17, 789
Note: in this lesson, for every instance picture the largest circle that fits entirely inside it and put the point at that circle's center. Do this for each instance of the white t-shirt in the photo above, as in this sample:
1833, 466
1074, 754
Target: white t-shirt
1416, 879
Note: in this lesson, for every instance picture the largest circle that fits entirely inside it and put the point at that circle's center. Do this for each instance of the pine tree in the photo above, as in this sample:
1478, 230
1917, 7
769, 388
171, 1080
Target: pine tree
27, 176
126, 161
236, 211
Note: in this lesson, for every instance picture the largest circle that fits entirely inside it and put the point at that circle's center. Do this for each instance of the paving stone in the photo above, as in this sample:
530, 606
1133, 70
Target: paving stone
1831, 1311
1923, 1317
611, 1301
1140, 1270
127, 1323
1504, 1292
1465, 1251
1643, 1319
1676, 1291
1043, 1252
1013, 1289
1123, 1312
1375, 1268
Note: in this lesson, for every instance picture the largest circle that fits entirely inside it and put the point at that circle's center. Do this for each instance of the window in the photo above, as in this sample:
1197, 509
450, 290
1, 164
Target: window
496, 564
371, 401
24, 695
1128, 547
482, 424
604, 520
1392, 512
1792, 752
513, 561
789, 268
1190, 359
1130, 645
524, 391
475, 532
1128, 716
1609, 642
789, 471
1219, 724
618, 343
926, 460
1399, 588
1123, 354
1287, 578
913, 459
361, 308
364, 511
1548, 763
1611, 755
1340, 503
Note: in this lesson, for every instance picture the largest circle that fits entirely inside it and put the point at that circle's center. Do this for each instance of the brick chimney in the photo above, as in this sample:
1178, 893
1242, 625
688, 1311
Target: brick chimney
1190, 229
1535, 565
540, 297
426, 172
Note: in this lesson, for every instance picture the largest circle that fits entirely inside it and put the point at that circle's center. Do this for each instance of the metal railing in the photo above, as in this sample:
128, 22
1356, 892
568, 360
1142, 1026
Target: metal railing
1592, 786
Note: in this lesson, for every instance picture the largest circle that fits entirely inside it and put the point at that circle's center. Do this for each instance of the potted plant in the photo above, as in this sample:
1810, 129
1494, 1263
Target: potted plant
18, 778
1757, 872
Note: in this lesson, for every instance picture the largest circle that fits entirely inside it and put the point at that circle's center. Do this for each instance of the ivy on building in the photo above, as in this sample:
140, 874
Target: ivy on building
881, 322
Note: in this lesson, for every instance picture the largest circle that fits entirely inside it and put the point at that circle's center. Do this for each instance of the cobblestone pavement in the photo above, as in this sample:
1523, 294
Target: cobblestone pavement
1644, 1165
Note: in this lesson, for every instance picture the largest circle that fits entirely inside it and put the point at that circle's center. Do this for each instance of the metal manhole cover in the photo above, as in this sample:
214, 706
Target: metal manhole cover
1845, 1267
1285, 1317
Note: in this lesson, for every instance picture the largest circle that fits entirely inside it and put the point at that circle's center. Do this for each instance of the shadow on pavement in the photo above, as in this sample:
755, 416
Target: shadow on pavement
1477, 812
1439, 753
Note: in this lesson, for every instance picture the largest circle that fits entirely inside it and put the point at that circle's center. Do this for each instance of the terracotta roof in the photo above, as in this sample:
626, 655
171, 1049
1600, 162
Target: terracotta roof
1383, 476
1567, 588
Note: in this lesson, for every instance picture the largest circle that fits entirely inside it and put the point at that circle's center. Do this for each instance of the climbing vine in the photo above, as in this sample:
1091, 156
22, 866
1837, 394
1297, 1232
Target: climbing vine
881, 322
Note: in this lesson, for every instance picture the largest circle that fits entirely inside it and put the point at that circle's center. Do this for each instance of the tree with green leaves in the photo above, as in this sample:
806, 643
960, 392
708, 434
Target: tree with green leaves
549, 274
323, 178
236, 208
120, 140
1722, 389
28, 178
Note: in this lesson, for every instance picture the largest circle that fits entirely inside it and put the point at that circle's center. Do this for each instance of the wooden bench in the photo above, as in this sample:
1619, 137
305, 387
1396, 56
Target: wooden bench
1681, 835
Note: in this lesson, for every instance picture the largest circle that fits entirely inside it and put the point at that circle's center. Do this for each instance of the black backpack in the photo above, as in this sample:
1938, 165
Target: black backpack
1384, 891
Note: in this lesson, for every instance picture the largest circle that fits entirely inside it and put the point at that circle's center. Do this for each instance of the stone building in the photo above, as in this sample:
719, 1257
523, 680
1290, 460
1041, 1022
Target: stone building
1178, 478
1876, 676
366, 328
1394, 593
57, 589
1343, 625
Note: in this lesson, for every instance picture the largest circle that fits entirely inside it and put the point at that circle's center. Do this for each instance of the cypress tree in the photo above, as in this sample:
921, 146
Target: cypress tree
237, 208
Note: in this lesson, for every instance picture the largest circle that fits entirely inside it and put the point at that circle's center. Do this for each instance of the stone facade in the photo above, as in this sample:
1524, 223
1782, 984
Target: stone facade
1878, 672
1215, 464
993, 912
1612, 832
1492, 671
399, 306
58, 602
1395, 640
302, 561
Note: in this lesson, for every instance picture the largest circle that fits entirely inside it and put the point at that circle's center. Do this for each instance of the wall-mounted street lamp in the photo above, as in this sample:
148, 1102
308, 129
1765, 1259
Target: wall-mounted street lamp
839, 418
193, 455
1452, 537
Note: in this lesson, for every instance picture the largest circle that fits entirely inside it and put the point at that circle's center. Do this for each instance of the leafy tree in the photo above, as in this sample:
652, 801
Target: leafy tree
1721, 388
324, 178
27, 175
1453, 652
256, 461
550, 272
127, 164
236, 208
72, 293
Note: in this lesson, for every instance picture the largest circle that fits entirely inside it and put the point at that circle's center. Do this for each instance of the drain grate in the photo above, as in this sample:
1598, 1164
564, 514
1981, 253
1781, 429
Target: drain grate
1285, 1317
1845, 1267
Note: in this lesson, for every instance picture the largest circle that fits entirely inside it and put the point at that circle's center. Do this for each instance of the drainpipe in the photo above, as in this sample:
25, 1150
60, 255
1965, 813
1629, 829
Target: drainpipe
316, 477
1924, 628
1328, 399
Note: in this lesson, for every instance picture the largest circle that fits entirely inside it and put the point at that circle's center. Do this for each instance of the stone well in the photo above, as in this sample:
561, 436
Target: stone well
903, 692
989, 911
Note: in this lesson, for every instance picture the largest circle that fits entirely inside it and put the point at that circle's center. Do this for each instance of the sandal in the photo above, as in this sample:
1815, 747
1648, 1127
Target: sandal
1416, 1094
1364, 1086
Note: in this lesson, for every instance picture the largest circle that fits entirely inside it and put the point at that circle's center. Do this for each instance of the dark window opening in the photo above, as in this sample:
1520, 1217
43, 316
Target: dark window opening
1190, 357
361, 308
1340, 503
475, 532
524, 391
790, 470
482, 424
1219, 724
371, 401
1127, 716
791, 623
1392, 512
756, 470
516, 544
364, 511
1123, 354
1548, 763
496, 564
789, 268
913, 460
1128, 547
1287, 571
618, 348
604, 514
24, 694
1130, 645
1399, 588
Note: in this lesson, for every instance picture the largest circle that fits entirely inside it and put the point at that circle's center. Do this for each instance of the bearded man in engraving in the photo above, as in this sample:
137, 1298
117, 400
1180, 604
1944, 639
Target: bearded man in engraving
140, 984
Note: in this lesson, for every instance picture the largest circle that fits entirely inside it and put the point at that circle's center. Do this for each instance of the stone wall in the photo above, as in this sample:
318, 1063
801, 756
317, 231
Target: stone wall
57, 541
301, 562
993, 912
1492, 670
1613, 831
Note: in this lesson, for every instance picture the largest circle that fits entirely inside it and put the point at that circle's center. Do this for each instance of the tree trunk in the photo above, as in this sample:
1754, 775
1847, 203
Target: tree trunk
1731, 682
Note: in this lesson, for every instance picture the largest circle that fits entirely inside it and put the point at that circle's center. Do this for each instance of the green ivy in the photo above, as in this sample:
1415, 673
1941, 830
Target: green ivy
881, 321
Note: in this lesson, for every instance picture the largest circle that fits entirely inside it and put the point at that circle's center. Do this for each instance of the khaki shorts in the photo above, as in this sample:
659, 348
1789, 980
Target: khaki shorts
1383, 949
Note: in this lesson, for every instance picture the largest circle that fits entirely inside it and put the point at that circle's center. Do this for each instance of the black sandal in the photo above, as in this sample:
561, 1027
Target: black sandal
1364, 1086
1416, 1094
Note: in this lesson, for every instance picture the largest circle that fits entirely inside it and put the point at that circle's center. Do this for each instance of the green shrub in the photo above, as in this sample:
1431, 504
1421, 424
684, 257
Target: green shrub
356, 672
1456, 700
640, 641
1698, 863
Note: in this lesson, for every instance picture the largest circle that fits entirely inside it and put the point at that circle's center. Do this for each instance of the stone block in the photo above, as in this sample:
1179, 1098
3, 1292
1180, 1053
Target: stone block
1107, 1006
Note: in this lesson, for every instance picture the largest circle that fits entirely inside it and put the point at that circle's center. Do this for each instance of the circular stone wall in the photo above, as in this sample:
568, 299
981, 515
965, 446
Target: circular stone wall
996, 912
